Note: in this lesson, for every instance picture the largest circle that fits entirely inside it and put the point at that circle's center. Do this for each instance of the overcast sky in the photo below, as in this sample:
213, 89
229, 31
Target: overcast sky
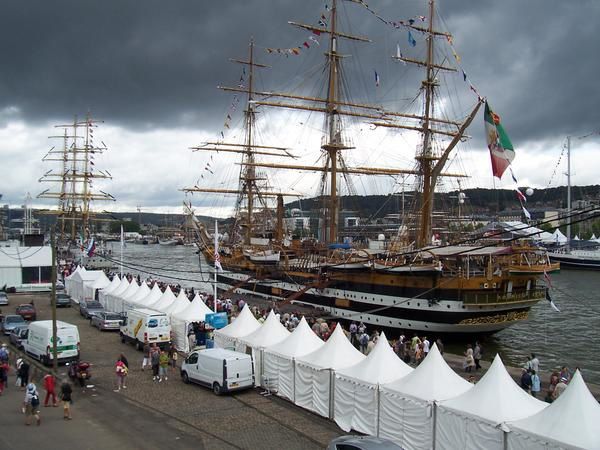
150, 70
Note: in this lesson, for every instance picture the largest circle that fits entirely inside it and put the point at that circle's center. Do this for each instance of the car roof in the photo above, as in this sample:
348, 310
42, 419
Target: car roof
25, 305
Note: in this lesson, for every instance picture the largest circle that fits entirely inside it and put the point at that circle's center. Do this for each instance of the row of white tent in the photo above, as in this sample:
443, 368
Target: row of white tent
120, 296
423, 408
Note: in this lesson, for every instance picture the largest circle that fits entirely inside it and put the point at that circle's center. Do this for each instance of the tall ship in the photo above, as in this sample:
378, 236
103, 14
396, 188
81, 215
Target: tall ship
403, 279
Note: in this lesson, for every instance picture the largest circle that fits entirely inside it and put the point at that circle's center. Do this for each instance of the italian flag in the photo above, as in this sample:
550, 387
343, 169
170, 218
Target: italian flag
501, 149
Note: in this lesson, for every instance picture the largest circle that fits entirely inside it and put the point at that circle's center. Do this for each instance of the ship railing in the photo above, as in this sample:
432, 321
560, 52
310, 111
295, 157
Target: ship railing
488, 298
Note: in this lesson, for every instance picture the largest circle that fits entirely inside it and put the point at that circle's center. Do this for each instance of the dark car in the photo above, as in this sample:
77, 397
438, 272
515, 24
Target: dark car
3, 299
89, 307
18, 335
351, 442
106, 321
11, 322
62, 299
27, 311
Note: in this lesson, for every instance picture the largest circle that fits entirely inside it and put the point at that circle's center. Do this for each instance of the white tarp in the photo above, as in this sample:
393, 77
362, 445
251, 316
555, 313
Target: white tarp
244, 324
406, 414
180, 322
279, 359
315, 372
356, 397
164, 300
103, 294
271, 332
570, 422
474, 420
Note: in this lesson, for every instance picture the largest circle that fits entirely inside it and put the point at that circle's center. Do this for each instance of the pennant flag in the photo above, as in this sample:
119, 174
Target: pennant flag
501, 149
91, 248
512, 175
314, 39
376, 78
527, 214
411, 39
520, 195
547, 279
464, 75
317, 32
552, 305
306, 44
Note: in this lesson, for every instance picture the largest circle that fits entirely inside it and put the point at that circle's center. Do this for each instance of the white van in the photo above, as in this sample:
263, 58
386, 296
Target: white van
39, 341
220, 369
146, 324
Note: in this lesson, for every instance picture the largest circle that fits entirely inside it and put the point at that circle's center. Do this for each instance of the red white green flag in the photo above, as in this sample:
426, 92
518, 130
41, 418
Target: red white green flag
501, 149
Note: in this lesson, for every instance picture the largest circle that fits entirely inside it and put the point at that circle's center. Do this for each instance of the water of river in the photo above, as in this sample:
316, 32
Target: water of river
571, 337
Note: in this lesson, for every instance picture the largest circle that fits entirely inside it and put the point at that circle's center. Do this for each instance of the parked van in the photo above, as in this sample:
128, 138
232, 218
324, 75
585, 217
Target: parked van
219, 369
146, 324
39, 341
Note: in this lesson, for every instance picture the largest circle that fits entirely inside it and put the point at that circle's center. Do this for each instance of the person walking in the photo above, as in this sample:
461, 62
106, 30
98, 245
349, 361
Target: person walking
526, 381
173, 357
31, 403
146, 352
49, 386
534, 363
536, 384
477, 355
66, 392
3, 375
121, 373
163, 361
23, 374
4, 366
155, 361
469, 362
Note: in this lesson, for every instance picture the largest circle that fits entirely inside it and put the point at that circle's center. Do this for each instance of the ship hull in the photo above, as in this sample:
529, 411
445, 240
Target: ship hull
393, 307
571, 261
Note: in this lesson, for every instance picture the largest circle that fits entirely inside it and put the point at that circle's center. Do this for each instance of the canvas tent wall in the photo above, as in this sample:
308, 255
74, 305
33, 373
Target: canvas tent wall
69, 279
356, 396
120, 302
407, 406
91, 291
475, 419
271, 332
180, 322
315, 372
570, 422
103, 294
110, 298
279, 360
82, 280
244, 324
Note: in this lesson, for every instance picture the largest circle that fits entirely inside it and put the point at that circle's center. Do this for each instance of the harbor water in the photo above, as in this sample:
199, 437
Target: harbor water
570, 337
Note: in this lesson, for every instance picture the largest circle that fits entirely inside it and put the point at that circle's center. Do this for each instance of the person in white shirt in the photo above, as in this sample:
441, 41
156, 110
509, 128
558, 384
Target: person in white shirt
426, 345
534, 363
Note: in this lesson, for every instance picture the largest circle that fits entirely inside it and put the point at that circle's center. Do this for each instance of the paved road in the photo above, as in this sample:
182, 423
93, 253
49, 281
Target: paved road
171, 414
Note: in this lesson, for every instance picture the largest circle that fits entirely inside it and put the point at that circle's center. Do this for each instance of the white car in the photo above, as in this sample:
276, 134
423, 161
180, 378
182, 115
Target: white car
3, 299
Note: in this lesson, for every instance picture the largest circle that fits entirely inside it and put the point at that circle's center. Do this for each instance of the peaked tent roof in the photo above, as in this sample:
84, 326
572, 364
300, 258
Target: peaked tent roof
154, 294
181, 302
382, 365
116, 281
77, 270
122, 287
130, 291
101, 282
432, 380
336, 353
496, 398
244, 324
271, 332
140, 294
571, 419
559, 237
300, 342
194, 312
165, 300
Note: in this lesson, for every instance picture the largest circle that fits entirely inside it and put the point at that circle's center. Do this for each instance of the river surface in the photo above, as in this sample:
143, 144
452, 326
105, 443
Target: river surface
570, 337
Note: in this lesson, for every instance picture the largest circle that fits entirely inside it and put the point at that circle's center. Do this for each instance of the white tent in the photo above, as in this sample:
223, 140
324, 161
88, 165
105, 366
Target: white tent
244, 324
68, 280
315, 372
114, 284
593, 238
558, 237
475, 419
181, 302
140, 294
120, 300
356, 396
570, 422
271, 332
80, 280
110, 298
181, 320
407, 406
279, 359
89, 291
155, 294
164, 300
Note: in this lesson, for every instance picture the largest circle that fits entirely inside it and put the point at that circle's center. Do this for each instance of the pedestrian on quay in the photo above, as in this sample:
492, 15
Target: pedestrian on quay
49, 386
526, 381
363, 342
120, 373
4, 366
173, 357
163, 366
31, 404
3, 375
155, 361
66, 392
23, 374
146, 353
565, 373
353, 330
477, 351
536, 383
469, 362
426, 346
560, 388
123, 359
534, 362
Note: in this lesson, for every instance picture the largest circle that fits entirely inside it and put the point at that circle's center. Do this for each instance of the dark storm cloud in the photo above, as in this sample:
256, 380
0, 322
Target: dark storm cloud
147, 63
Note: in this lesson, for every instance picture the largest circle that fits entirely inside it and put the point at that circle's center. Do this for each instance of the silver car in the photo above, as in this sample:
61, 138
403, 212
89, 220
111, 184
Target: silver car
106, 321
11, 322
3, 299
